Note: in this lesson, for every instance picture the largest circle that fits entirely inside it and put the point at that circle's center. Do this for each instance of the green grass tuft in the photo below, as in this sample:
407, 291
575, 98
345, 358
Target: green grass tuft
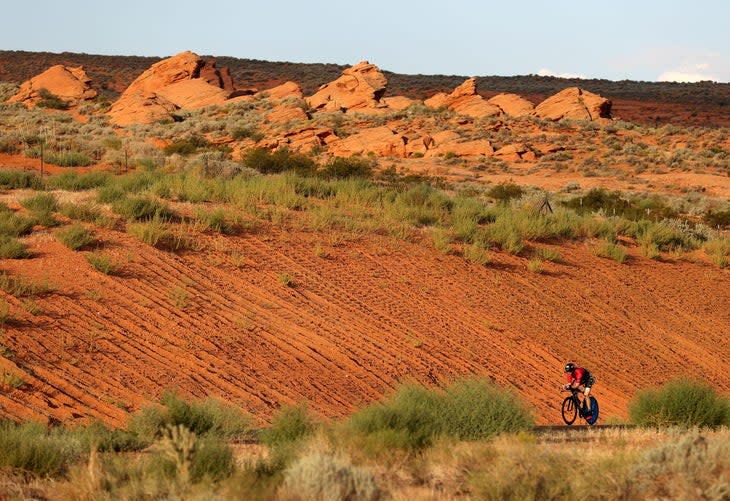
75, 236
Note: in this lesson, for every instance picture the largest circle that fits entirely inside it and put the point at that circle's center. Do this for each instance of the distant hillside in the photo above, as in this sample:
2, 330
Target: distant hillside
701, 104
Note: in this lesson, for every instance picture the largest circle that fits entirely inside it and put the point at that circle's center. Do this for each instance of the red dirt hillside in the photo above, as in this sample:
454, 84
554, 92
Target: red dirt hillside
365, 316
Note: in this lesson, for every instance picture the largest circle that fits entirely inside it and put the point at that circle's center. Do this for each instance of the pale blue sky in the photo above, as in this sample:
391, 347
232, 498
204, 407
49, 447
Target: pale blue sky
617, 39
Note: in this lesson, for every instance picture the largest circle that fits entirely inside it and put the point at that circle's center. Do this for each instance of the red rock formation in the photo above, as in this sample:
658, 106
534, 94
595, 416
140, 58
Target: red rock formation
465, 101
380, 140
282, 114
220, 78
360, 86
287, 89
398, 102
514, 152
512, 104
574, 103
173, 81
141, 109
70, 84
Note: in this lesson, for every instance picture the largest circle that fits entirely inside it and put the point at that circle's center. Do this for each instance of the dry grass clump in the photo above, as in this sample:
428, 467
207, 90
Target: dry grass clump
321, 474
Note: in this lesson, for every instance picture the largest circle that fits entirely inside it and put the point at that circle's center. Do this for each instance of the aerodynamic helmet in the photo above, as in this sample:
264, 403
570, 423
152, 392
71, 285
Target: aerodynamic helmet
569, 367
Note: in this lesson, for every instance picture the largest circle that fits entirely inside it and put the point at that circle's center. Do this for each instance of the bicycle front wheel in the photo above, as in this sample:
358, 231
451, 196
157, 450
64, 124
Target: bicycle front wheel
570, 410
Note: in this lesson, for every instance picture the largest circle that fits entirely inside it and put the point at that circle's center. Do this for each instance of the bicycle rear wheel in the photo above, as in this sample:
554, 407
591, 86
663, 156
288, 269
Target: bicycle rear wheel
570, 410
591, 420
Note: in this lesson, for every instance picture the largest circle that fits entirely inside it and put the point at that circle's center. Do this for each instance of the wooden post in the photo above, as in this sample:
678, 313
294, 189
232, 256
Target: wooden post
42, 152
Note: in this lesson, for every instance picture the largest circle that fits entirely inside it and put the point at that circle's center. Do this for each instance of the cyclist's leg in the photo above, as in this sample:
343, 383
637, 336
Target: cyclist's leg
587, 393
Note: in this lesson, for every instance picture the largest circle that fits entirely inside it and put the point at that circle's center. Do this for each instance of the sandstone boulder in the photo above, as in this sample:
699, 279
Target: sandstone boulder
575, 103
302, 139
398, 103
464, 100
380, 140
478, 147
287, 89
70, 84
141, 109
282, 114
173, 81
193, 94
444, 136
513, 152
512, 104
360, 86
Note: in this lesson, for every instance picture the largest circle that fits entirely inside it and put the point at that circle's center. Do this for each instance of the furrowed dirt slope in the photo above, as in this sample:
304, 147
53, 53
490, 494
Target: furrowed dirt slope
362, 316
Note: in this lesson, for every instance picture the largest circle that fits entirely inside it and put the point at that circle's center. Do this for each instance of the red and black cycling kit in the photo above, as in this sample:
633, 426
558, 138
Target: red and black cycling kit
581, 376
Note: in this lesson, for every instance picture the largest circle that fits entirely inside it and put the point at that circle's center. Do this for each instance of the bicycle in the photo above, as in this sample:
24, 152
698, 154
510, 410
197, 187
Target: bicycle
573, 403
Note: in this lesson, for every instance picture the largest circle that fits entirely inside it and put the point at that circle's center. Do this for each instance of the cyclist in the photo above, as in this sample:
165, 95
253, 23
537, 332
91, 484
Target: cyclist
580, 376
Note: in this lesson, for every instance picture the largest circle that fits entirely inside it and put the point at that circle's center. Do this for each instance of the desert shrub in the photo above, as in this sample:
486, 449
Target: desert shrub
442, 240
421, 205
318, 476
32, 447
474, 409
214, 220
244, 132
50, 100
414, 417
505, 233
660, 234
68, 158
613, 204
83, 211
73, 181
682, 402
75, 236
17, 180
549, 254
102, 262
281, 160
717, 218
138, 181
109, 194
205, 418
14, 225
535, 265
526, 472
9, 145
504, 192
477, 253
147, 423
103, 439
12, 248
21, 287
342, 168
686, 467
212, 460
155, 232
8, 90
612, 251
719, 251
141, 208
187, 146
288, 426
41, 203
